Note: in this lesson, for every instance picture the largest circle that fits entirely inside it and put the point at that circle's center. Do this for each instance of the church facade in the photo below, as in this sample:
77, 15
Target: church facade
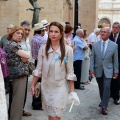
15, 11
108, 12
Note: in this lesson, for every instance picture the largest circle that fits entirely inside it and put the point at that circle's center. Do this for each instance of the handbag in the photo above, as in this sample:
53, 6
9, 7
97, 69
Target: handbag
21, 70
37, 89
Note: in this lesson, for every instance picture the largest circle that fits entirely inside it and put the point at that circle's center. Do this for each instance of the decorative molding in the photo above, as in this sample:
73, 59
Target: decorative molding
70, 4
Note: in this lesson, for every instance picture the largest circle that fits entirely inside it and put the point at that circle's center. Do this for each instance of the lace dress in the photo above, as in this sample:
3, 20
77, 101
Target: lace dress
55, 92
3, 106
55, 75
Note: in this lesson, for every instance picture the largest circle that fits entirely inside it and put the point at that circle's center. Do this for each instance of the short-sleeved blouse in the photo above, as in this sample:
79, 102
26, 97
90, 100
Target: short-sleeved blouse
13, 60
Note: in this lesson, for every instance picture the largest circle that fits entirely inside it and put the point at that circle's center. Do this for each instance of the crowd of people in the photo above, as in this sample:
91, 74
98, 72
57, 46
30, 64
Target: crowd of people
63, 63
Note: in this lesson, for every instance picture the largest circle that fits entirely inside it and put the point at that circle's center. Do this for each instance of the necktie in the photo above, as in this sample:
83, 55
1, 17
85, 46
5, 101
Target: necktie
103, 48
114, 39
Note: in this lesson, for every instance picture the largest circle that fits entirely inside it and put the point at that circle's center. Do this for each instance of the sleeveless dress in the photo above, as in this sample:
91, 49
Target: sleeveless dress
3, 105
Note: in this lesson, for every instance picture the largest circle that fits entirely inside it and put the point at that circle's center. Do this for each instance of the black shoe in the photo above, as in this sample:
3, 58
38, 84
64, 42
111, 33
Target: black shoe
37, 108
6, 91
26, 114
116, 102
104, 111
81, 88
100, 105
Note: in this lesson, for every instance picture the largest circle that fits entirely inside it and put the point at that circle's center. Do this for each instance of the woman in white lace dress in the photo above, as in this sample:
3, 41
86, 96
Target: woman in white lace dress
55, 65
3, 105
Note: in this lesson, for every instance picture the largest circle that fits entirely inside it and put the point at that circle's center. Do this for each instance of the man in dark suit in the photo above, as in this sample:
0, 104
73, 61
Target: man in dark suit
104, 66
115, 84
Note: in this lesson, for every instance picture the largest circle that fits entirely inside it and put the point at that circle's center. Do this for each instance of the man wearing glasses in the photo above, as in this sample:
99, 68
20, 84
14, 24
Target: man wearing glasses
104, 66
115, 84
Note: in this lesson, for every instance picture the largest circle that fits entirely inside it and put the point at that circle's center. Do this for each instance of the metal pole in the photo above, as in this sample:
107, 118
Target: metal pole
75, 17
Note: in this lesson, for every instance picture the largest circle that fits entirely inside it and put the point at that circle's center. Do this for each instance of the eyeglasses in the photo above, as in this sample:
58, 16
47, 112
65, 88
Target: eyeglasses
103, 32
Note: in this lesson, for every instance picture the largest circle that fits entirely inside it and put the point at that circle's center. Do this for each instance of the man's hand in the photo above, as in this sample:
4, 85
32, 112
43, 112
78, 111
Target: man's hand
115, 75
92, 74
74, 46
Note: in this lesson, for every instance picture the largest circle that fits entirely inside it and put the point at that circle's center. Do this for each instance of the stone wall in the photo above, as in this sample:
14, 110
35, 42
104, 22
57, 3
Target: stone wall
8, 14
88, 14
14, 11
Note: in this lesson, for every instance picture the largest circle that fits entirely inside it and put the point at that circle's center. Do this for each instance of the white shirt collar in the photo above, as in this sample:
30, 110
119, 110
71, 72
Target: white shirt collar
51, 50
105, 41
116, 34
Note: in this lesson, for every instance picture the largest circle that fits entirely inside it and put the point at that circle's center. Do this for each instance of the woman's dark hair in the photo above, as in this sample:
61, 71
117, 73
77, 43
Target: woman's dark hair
13, 30
68, 29
62, 42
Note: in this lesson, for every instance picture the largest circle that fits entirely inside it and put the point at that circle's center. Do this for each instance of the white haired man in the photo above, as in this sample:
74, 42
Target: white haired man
79, 54
104, 66
93, 37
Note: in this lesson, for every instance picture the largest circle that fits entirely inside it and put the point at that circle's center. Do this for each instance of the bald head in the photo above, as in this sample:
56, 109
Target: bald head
9, 27
105, 33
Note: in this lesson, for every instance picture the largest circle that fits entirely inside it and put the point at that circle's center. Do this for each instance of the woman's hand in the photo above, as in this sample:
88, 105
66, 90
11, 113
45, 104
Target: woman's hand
34, 82
24, 59
71, 86
32, 90
71, 89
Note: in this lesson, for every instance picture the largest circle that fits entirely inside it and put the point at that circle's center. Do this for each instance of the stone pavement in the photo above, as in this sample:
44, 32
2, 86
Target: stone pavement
87, 110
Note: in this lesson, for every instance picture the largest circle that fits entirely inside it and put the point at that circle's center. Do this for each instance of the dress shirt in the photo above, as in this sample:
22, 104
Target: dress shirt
36, 43
116, 37
25, 45
45, 37
92, 38
106, 44
79, 53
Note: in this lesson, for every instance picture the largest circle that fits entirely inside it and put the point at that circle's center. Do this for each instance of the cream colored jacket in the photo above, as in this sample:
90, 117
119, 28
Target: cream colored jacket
63, 70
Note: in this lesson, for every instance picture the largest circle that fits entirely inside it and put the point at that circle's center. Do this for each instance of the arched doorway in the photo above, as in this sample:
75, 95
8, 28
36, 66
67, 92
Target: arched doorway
104, 22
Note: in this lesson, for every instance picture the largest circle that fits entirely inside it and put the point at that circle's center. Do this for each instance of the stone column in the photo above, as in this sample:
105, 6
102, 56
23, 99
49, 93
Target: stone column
88, 14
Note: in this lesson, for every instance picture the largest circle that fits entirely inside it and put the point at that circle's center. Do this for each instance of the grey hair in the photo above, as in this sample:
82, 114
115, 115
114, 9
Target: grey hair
78, 31
10, 25
116, 23
96, 30
25, 23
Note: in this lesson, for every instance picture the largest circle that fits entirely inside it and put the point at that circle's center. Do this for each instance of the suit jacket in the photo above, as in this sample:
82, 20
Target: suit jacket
108, 63
118, 42
63, 70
